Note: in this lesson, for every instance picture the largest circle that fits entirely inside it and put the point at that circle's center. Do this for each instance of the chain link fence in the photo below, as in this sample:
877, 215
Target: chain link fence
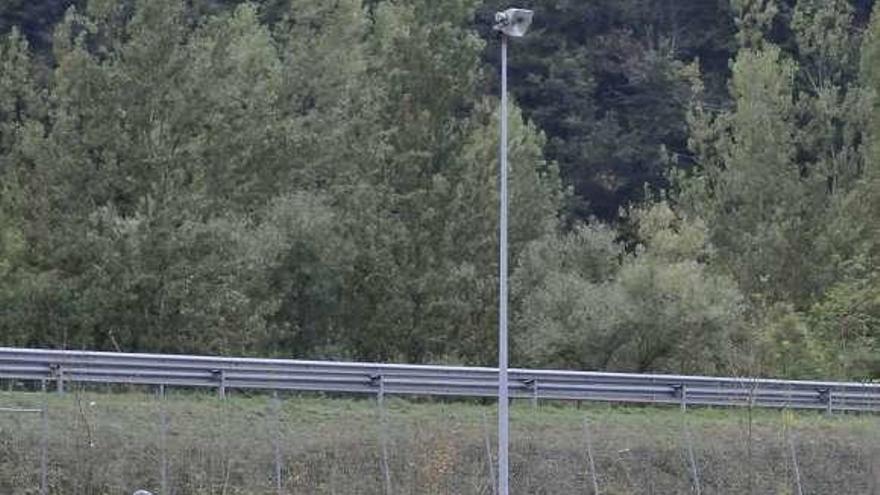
111, 439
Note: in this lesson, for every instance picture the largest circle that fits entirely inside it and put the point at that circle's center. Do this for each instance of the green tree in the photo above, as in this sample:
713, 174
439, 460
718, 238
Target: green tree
423, 215
845, 327
755, 21
843, 322
749, 186
608, 82
773, 173
163, 157
588, 304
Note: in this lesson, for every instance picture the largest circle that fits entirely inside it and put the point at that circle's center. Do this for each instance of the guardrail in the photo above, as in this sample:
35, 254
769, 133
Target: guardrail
395, 379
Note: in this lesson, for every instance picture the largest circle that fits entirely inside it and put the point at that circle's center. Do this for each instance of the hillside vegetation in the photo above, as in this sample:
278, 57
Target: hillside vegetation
694, 184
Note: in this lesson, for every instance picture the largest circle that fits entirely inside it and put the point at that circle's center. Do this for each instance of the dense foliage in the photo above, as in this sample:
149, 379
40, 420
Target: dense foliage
694, 184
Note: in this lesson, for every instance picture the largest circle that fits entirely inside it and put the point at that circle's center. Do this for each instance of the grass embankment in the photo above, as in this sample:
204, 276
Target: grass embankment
102, 443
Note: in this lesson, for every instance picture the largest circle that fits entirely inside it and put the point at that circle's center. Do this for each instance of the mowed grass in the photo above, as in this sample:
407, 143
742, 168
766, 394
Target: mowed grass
113, 443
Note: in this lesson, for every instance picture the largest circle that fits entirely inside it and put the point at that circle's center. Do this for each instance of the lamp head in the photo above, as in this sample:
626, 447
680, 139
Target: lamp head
514, 22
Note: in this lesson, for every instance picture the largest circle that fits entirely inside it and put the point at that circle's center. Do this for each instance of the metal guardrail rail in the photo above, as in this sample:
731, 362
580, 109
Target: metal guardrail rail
395, 379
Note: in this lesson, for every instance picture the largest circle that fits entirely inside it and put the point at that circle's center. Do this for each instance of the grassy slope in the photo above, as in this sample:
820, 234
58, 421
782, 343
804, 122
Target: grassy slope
111, 444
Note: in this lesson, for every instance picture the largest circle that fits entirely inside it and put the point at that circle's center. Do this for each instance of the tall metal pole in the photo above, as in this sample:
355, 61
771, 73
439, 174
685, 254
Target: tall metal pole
503, 420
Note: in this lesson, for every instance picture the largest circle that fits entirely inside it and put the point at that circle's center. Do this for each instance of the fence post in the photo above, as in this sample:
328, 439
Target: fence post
689, 445
44, 443
794, 462
276, 442
594, 477
383, 430
692, 459
489, 459
163, 442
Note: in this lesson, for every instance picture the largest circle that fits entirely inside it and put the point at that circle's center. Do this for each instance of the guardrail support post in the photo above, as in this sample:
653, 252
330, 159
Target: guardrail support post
826, 397
532, 383
680, 392
58, 373
221, 377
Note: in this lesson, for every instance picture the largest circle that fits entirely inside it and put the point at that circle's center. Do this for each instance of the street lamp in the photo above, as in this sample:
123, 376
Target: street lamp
510, 23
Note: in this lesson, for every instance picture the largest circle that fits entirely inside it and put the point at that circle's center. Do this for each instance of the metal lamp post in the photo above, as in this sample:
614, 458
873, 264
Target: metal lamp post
510, 23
